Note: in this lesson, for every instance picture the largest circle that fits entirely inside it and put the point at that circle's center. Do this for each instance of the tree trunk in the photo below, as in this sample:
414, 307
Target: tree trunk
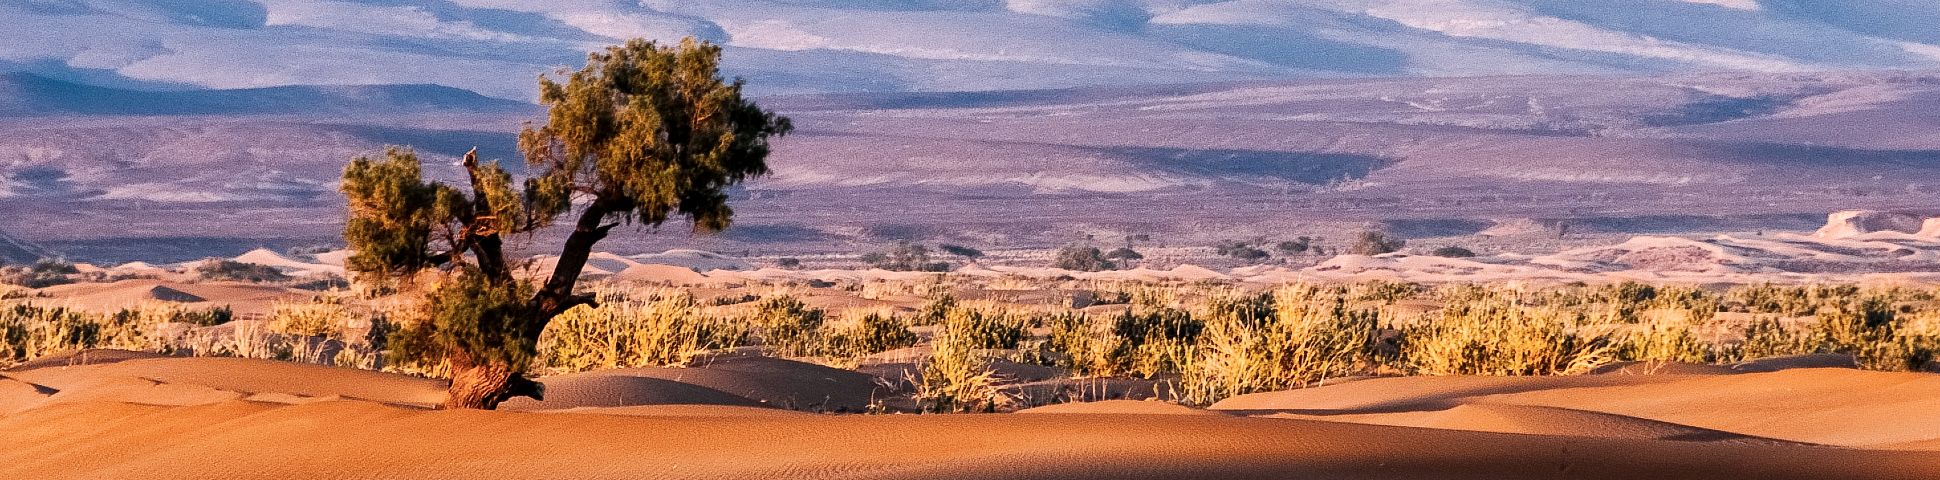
484, 385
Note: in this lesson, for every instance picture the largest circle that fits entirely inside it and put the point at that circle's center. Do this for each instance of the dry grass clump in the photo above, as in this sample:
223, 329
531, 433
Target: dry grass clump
870, 333
787, 325
1498, 337
1295, 337
957, 377
323, 316
1139, 342
29, 331
657, 328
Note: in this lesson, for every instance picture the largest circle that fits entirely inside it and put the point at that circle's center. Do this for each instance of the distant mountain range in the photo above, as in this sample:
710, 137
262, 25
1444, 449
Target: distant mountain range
23, 94
495, 47
14, 251
1188, 164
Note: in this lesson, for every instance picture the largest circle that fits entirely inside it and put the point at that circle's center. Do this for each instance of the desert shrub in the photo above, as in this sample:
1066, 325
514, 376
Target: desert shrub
665, 328
906, 257
961, 251
936, 310
218, 270
469, 314
1768, 337
993, 329
1496, 337
1241, 250
1123, 254
1375, 242
1868, 329
1452, 251
1082, 259
733, 299
1385, 291
1290, 339
790, 263
321, 317
1140, 342
1663, 342
44, 273
158, 313
787, 325
956, 378
13, 292
1156, 341
1295, 247
30, 331
1081, 345
873, 332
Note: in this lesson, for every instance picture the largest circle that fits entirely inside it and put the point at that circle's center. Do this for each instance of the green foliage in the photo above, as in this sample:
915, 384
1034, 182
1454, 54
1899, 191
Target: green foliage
1296, 246
44, 273
872, 333
29, 331
936, 311
488, 321
1295, 337
1375, 242
215, 269
1124, 254
643, 133
985, 330
787, 325
654, 130
664, 328
322, 317
392, 214
906, 257
1494, 336
1082, 258
956, 378
1452, 251
1242, 250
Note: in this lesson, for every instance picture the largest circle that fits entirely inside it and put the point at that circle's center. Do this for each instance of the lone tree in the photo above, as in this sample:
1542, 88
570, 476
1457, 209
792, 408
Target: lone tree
644, 133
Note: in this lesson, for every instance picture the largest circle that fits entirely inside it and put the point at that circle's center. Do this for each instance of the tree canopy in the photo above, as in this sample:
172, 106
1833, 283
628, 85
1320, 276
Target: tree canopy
643, 134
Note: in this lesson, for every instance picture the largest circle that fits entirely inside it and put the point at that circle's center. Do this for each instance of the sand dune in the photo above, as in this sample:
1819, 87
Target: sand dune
232, 418
1533, 420
1418, 393
740, 380
1120, 407
245, 376
1829, 406
107, 297
257, 440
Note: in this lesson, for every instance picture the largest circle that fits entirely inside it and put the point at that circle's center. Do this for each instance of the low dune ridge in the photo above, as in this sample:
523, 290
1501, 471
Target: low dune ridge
744, 380
162, 418
618, 389
90, 356
1395, 394
1833, 406
1534, 420
248, 376
259, 440
243, 298
1120, 407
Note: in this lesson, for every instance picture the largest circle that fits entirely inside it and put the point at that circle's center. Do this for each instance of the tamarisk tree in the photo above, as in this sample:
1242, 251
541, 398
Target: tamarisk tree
643, 134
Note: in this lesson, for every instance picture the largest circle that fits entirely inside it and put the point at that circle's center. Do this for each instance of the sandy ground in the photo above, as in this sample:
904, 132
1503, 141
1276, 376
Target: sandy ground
236, 418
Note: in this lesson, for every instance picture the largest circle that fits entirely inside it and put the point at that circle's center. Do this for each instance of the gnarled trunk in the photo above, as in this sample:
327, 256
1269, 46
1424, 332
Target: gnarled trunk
483, 385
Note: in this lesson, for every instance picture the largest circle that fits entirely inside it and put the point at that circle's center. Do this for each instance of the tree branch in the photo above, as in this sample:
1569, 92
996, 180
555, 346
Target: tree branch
557, 296
483, 239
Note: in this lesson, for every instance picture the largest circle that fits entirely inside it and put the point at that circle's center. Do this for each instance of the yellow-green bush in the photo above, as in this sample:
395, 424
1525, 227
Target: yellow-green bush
1298, 336
664, 328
